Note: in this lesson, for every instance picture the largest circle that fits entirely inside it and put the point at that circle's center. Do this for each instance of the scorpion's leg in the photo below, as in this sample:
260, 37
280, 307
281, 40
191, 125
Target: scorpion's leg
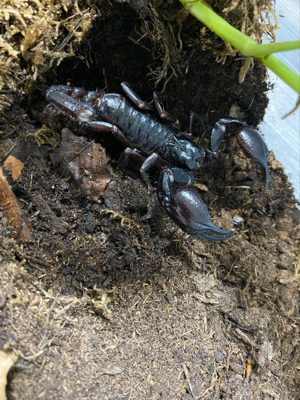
187, 209
129, 153
153, 159
101, 126
162, 112
180, 176
209, 154
147, 163
143, 105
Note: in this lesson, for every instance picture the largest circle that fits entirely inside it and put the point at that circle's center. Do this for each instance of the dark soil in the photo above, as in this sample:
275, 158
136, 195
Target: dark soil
97, 309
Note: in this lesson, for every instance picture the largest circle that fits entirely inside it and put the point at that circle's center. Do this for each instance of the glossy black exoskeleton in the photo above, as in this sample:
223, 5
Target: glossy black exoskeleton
157, 140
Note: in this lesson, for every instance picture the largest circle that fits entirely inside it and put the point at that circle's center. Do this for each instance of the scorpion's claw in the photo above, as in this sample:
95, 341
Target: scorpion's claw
187, 210
247, 137
254, 147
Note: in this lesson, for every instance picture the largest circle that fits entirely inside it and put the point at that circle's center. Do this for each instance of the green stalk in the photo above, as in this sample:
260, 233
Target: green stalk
246, 45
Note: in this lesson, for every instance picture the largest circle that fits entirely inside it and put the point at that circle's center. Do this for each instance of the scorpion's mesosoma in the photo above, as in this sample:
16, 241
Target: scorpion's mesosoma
151, 140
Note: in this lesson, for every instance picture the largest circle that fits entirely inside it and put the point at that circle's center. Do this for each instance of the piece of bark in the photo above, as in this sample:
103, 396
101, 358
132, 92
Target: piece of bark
16, 219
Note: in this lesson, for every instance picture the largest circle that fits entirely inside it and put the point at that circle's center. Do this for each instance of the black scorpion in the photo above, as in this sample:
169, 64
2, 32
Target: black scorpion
143, 133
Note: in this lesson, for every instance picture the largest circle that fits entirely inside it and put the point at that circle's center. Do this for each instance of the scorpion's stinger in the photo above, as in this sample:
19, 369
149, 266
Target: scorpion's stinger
187, 209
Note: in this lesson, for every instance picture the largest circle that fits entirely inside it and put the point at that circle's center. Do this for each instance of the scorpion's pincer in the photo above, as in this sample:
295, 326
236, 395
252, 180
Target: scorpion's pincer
69, 105
187, 210
254, 147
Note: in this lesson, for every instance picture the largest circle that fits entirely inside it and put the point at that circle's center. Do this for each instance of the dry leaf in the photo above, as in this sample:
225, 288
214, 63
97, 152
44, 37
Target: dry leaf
85, 161
13, 165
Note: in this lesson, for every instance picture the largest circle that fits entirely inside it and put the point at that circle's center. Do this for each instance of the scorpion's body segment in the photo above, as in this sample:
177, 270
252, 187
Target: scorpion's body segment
143, 133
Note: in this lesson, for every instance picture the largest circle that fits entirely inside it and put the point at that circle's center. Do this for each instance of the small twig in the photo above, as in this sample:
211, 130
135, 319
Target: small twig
188, 379
142, 36
167, 51
179, 38
136, 42
29, 358
239, 326
248, 368
294, 109
165, 84
68, 37
8, 154
244, 337
78, 13
30, 184
232, 265
247, 284
205, 392
238, 187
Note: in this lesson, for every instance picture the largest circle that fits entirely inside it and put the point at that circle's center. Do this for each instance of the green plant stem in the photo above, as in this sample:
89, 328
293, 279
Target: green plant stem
262, 50
246, 45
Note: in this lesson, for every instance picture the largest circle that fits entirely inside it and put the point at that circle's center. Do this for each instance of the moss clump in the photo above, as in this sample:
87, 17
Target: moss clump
33, 37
